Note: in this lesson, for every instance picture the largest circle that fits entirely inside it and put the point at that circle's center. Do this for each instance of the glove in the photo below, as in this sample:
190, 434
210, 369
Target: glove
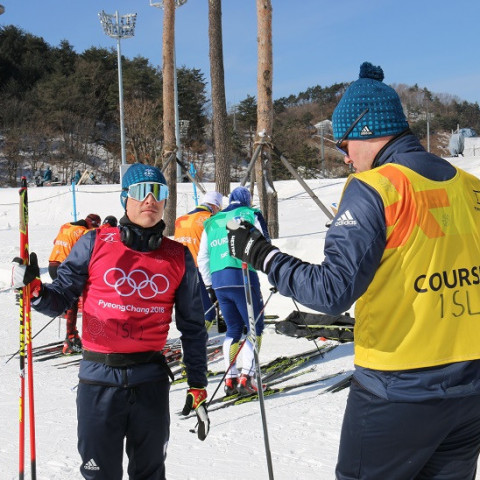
196, 398
247, 244
221, 325
23, 275
211, 294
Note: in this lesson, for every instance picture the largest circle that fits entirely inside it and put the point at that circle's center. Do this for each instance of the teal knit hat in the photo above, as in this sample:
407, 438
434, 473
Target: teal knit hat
138, 173
385, 113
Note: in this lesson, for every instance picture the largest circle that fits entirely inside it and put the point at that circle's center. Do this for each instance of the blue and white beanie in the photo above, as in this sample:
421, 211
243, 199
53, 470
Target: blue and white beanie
240, 196
138, 173
385, 115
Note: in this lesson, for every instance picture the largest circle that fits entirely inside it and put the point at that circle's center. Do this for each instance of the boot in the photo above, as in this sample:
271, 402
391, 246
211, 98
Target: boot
231, 386
72, 344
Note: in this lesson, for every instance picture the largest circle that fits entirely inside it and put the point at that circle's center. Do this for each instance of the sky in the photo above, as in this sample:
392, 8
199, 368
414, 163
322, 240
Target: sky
303, 425
315, 42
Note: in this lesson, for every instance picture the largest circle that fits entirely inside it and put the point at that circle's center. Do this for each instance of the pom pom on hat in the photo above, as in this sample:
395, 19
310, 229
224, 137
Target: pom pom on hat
385, 115
367, 70
213, 198
138, 173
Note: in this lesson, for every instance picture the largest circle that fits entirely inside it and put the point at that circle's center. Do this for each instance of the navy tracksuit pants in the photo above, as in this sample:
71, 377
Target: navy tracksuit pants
435, 439
109, 414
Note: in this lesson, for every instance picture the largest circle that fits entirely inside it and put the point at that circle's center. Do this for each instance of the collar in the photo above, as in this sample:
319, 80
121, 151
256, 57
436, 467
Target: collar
376, 161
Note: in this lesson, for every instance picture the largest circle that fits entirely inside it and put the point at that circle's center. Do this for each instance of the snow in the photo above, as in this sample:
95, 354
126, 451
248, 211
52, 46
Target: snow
303, 424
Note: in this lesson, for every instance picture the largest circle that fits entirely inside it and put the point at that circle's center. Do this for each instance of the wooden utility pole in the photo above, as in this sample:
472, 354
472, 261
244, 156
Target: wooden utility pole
219, 105
169, 139
266, 190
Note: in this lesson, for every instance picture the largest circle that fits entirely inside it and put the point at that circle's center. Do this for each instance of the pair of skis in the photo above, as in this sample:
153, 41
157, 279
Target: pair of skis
25, 346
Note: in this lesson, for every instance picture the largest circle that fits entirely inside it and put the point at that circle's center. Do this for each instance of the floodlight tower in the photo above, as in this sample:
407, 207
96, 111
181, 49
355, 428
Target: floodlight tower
119, 26
178, 3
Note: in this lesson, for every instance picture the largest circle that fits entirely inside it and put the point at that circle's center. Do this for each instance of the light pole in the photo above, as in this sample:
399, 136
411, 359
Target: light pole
2, 9
178, 3
322, 128
119, 26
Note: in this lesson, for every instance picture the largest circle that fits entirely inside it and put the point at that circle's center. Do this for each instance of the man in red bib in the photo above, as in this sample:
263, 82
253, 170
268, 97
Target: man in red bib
131, 277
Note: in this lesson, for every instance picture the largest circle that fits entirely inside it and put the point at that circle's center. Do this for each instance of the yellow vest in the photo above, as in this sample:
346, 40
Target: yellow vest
422, 307
189, 229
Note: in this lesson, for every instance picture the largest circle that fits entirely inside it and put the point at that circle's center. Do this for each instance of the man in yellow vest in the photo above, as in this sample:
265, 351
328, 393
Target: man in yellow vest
188, 230
66, 238
405, 245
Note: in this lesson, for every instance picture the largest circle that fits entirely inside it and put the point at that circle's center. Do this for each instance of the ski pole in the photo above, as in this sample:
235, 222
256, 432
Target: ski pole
272, 290
253, 336
40, 331
27, 337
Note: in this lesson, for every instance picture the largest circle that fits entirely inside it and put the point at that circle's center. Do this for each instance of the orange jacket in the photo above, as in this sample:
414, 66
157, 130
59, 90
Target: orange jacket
65, 240
189, 228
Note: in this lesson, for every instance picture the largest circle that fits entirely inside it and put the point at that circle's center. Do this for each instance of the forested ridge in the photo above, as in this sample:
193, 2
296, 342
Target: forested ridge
60, 108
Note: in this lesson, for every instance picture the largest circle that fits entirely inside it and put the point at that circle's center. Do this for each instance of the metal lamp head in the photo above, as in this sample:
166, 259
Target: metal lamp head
118, 26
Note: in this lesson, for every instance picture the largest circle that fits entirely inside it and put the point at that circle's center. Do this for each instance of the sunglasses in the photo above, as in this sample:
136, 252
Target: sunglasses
338, 144
140, 191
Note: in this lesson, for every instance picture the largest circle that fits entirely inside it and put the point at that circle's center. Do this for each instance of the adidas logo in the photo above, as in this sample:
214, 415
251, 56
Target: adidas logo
365, 132
346, 220
91, 465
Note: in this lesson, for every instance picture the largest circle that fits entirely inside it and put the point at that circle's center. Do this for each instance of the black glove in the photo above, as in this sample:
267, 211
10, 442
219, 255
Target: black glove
211, 294
23, 275
247, 244
221, 325
196, 399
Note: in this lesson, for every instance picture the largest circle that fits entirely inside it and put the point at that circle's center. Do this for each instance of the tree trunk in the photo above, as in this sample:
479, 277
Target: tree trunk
266, 190
219, 105
169, 144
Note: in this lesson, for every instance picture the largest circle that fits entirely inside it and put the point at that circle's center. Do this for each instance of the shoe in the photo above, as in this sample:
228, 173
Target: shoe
231, 386
247, 385
72, 344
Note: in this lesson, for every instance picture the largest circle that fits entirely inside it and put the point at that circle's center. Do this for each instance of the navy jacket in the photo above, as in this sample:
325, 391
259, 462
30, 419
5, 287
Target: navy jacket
352, 257
72, 277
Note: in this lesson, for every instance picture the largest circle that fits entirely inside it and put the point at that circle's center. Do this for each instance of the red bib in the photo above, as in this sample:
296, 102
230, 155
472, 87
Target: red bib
129, 296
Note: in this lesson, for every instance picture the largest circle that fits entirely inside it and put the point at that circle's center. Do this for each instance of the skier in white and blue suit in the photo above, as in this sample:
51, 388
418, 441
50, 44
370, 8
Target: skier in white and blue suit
405, 245
223, 279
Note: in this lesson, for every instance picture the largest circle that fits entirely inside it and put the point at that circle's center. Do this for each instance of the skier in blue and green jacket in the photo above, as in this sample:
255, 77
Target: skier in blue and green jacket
223, 279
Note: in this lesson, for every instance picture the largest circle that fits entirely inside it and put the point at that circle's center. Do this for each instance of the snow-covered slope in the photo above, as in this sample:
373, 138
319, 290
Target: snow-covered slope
303, 425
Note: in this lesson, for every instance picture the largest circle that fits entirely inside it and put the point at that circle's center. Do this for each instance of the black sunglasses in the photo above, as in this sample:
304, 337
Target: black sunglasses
348, 132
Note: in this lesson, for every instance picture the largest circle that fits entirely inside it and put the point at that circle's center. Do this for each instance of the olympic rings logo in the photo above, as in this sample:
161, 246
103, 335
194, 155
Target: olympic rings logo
136, 281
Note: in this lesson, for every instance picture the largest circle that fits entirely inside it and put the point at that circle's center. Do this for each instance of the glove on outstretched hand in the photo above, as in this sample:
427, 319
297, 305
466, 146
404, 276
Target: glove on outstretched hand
23, 275
247, 244
196, 398
211, 293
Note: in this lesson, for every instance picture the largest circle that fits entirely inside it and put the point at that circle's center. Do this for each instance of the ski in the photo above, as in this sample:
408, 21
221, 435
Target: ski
268, 392
54, 355
48, 350
340, 385
69, 363
277, 367
212, 352
286, 364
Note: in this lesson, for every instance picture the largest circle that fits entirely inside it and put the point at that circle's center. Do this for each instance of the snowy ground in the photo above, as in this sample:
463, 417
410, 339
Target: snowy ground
303, 425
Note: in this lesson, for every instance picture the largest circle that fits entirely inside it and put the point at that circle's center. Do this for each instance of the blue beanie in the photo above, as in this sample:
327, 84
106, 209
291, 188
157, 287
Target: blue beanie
138, 173
241, 196
385, 115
